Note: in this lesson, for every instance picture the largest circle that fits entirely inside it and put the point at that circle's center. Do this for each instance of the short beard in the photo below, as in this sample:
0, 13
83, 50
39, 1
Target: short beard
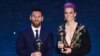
36, 25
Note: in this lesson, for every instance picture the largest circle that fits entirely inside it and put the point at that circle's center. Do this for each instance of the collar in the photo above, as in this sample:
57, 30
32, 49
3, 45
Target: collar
34, 28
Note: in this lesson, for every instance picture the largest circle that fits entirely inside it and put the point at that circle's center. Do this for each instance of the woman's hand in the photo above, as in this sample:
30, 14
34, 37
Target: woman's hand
60, 44
68, 50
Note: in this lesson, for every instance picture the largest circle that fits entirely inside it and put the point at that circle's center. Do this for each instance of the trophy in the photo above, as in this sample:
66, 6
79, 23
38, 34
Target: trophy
61, 34
39, 44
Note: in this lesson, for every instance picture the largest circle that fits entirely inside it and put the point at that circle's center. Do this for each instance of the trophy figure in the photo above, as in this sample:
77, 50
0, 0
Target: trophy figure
39, 44
61, 35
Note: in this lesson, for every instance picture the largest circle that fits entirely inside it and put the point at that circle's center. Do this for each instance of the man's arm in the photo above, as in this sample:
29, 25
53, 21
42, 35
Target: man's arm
50, 45
20, 46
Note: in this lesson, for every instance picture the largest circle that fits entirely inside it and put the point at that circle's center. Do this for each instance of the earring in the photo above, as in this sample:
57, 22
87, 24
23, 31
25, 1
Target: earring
64, 19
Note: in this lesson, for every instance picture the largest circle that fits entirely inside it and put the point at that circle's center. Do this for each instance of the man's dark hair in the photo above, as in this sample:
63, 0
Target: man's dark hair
37, 9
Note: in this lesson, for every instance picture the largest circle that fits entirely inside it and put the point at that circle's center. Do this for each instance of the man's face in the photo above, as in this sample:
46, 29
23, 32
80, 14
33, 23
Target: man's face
69, 14
36, 18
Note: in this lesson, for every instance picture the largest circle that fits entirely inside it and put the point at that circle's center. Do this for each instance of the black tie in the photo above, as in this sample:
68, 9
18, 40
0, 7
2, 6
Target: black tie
36, 34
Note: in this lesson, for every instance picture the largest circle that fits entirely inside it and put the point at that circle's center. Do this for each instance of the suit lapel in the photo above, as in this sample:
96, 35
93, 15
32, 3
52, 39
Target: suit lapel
42, 33
65, 42
73, 38
77, 27
31, 34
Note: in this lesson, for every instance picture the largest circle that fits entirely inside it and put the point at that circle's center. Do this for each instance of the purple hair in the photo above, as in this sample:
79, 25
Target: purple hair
72, 5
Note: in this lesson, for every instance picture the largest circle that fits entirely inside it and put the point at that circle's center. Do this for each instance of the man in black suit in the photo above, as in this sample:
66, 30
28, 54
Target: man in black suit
27, 39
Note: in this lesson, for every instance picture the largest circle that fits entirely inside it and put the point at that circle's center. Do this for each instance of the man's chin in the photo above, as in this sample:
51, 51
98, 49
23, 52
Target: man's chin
36, 25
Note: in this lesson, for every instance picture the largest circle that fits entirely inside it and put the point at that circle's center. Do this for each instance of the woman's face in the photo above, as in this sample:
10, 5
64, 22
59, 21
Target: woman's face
69, 14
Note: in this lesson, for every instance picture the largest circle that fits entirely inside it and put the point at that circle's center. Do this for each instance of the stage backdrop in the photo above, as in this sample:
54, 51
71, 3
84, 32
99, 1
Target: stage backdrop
14, 15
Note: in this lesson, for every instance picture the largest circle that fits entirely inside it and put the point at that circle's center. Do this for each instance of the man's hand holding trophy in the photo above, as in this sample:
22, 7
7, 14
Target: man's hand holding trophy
38, 46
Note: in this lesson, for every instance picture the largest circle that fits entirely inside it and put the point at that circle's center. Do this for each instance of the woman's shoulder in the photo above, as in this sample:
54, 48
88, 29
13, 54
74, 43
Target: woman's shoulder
61, 26
82, 27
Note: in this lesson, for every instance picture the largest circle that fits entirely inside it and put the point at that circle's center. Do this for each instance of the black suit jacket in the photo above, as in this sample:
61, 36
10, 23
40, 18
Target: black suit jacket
26, 42
85, 44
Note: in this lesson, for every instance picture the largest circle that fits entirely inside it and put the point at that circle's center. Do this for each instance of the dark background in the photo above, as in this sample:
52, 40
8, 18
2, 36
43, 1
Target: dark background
14, 15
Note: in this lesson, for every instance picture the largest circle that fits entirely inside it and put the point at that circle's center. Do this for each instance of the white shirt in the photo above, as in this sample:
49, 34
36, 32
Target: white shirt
69, 33
34, 32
